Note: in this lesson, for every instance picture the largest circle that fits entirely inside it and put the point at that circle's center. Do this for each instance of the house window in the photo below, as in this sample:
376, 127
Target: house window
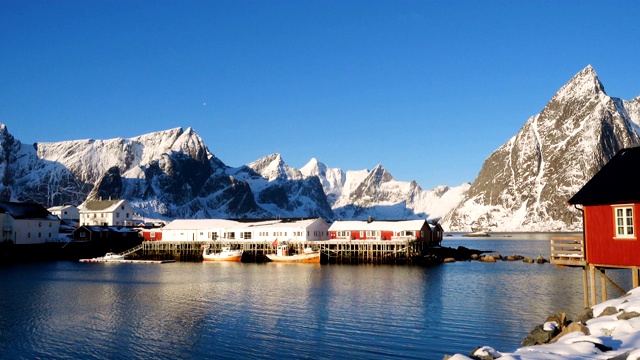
245, 235
624, 222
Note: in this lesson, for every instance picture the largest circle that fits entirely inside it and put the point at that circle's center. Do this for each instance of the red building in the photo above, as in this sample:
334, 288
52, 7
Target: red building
152, 234
610, 202
413, 230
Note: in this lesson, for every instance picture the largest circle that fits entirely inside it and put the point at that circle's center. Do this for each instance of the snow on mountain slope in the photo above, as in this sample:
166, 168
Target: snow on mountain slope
363, 193
524, 184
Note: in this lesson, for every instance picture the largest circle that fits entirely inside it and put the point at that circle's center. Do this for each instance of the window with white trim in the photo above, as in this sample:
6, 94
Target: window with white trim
624, 222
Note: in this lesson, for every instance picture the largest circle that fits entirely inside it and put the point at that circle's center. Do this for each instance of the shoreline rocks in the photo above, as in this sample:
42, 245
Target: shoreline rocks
556, 327
439, 255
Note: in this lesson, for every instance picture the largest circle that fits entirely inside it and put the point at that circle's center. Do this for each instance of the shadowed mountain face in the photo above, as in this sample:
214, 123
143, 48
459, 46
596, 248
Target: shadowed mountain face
524, 185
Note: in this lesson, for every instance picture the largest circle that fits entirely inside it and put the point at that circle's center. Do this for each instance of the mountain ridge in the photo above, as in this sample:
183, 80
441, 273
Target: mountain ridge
524, 184
172, 174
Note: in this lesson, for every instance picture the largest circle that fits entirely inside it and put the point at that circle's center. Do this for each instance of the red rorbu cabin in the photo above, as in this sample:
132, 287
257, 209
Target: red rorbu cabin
611, 205
412, 230
152, 234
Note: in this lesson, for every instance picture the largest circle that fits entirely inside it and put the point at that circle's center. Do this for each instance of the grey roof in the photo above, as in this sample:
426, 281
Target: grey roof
101, 205
618, 182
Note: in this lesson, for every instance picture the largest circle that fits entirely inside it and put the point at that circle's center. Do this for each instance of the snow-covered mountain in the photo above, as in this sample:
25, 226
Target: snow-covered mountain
172, 174
361, 194
525, 183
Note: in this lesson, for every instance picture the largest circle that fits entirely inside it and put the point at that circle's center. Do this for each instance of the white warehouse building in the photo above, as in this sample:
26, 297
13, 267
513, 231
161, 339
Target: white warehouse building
250, 230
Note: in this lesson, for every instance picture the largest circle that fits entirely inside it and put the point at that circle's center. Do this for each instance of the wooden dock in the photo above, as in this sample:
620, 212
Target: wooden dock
332, 251
126, 261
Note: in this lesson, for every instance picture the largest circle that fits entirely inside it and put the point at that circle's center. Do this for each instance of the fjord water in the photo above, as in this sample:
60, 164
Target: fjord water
68, 310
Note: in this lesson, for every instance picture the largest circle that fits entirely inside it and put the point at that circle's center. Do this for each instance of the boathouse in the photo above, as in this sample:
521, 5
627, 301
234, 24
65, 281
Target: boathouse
27, 223
610, 204
404, 230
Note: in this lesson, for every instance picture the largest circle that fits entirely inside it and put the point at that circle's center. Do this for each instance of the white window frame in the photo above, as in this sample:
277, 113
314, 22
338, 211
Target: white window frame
624, 222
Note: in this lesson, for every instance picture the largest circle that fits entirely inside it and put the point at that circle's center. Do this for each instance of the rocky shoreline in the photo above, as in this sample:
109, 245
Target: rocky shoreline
439, 255
609, 331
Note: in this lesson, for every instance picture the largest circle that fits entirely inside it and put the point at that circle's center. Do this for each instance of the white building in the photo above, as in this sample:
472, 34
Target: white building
66, 212
27, 223
250, 230
107, 213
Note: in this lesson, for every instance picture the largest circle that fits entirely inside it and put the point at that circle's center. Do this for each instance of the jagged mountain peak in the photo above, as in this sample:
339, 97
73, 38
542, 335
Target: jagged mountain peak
314, 167
272, 167
380, 174
584, 84
524, 184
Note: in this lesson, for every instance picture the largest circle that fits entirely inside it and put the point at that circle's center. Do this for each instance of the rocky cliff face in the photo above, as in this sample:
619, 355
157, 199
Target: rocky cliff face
524, 184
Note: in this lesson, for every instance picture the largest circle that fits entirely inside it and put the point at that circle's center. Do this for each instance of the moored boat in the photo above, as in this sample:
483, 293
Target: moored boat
227, 254
307, 256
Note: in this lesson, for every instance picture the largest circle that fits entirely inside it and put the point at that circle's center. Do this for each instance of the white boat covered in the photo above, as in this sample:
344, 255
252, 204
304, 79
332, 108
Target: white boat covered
307, 256
227, 254
113, 256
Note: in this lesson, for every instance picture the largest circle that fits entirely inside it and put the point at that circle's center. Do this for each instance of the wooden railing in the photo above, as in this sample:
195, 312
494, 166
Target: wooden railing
567, 251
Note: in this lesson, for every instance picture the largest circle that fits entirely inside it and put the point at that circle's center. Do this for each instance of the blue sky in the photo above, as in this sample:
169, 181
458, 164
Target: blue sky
429, 89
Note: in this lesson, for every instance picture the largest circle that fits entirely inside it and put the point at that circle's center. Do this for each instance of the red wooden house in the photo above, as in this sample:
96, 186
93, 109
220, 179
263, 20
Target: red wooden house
153, 234
611, 204
414, 230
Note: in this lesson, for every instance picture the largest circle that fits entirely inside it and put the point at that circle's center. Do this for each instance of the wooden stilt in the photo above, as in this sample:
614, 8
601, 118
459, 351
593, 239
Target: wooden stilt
592, 280
603, 285
585, 287
634, 276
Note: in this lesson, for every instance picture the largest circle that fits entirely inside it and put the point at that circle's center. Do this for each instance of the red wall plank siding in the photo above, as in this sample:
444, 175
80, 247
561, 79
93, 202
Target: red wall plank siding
601, 245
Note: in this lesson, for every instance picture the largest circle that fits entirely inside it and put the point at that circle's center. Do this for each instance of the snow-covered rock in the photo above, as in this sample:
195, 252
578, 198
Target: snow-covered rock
525, 183
611, 336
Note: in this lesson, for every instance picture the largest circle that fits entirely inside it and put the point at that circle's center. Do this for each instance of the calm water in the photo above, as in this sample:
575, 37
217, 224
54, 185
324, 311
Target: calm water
67, 310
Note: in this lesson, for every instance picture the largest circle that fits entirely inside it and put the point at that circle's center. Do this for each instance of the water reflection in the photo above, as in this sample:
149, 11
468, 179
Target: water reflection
233, 310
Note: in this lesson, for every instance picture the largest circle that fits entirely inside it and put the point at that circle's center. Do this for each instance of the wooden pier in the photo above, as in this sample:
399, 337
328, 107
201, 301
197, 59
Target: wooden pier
332, 252
569, 252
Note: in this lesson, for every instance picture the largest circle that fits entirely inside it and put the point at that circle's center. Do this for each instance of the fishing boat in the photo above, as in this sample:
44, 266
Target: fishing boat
307, 256
227, 254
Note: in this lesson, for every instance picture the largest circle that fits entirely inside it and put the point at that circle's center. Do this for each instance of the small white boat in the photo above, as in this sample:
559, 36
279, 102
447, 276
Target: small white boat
113, 256
307, 256
106, 258
225, 255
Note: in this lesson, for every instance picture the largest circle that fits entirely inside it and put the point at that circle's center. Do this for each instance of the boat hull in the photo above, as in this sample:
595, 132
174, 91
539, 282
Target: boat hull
313, 257
233, 256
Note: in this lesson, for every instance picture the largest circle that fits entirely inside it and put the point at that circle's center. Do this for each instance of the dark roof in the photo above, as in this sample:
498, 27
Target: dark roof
618, 182
25, 210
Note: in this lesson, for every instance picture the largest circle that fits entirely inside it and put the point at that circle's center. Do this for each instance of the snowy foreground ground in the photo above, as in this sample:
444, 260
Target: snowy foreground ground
623, 336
